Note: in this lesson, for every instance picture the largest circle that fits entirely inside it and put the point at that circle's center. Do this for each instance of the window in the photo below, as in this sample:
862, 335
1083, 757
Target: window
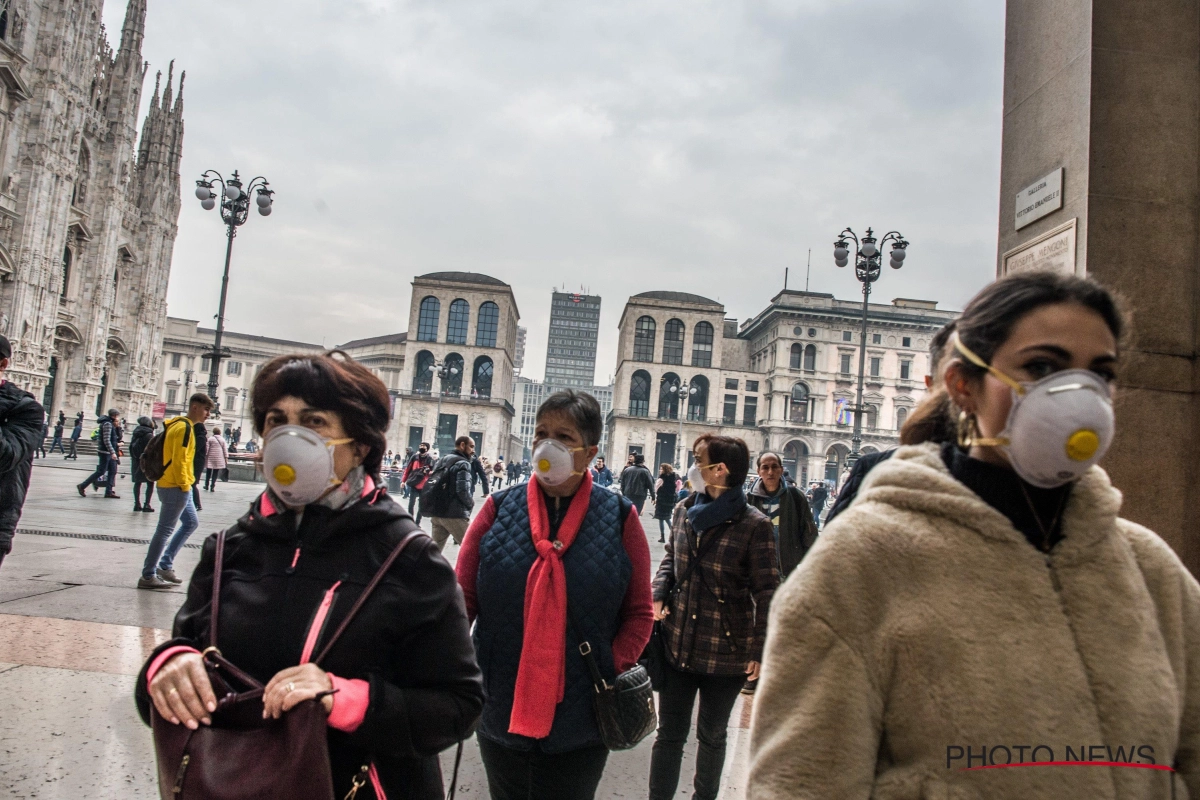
905, 370
668, 396
812, 333
799, 413
729, 416
702, 345
846, 363
423, 373
643, 344
901, 416
697, 408
907, 340
175, 359
172, 394
206, 364
481, 378
427, 321
639, 392
875, 364
751, 386
731, 383
847, 336
457, 323
673, 342
452, 383
66, 271
797, 356
233, 368
876, 338
489, 321
750, 412
810, 358
872, 416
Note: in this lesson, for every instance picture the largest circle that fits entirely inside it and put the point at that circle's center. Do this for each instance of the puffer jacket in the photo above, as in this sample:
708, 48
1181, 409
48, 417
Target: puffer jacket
141, 436
409, 646
218, 453
20, 433
924, 634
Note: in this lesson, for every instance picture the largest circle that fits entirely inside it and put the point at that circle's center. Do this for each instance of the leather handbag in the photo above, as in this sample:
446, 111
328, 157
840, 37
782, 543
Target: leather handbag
625, 708
242, 756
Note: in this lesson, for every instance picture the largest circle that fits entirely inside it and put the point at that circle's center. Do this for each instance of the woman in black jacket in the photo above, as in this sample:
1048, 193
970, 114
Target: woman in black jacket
665, 492
142, 435
402, 683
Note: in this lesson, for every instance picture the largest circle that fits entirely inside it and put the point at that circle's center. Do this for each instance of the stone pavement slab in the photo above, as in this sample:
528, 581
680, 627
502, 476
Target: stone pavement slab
107, 604
18, 589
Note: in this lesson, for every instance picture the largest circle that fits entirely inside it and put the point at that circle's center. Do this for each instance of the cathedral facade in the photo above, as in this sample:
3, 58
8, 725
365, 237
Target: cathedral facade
88, 211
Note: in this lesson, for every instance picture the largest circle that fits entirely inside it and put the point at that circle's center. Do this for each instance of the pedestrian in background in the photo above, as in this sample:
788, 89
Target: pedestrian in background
199, 461
478, 474
106, 447
601, 474
217, 459
448, 504
138, 440
176, 501
666, 490
1092, 623
637, 483
76, 432
401, 684
498, 474
714, 622
40, 450
20, 426
547, 565
415, 475
514, 473
57, 442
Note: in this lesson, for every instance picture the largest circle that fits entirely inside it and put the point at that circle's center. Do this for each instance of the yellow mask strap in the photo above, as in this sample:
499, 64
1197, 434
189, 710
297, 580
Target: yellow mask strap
336, 442
968, 354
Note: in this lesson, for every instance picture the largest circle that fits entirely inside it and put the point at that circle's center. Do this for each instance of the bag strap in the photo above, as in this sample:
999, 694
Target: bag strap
695, 558
366, 593
215, 610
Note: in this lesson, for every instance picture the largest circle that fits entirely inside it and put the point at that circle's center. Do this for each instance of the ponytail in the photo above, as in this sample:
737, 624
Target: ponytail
932, 420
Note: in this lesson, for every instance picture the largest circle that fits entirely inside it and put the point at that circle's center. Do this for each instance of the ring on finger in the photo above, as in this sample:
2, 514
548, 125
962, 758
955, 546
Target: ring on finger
291, 687
173, 691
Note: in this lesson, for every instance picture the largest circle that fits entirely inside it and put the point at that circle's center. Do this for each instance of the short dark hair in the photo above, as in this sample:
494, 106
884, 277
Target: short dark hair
332, 381
638, 458
423, 444
201, 399
460, 441
758, 461
730, 451
581, 408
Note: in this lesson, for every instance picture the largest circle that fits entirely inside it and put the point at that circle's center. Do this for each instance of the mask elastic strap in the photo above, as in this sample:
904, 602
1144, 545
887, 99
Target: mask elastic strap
979, 362
336, 442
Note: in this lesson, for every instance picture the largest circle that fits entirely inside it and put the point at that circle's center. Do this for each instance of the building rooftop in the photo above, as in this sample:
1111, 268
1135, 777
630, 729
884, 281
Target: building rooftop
391, 338
253, 338
463, 277
678, 297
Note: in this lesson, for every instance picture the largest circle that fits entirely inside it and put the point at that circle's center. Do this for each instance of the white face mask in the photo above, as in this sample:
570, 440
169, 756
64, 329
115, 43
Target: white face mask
696, 477
298, 464
1058, 427
553, 462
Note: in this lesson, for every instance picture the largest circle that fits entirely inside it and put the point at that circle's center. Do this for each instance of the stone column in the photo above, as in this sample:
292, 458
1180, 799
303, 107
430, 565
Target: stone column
1110, 91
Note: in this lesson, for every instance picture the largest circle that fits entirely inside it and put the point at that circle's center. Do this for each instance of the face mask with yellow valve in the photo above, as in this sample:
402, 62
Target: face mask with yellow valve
553, 463
298, 464
1057, 428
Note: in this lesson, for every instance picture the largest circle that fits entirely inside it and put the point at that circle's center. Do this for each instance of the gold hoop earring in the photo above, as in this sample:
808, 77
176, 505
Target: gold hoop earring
967, 429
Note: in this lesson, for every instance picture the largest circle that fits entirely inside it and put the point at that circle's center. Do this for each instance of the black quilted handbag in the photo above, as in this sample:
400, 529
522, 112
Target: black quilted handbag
625, 709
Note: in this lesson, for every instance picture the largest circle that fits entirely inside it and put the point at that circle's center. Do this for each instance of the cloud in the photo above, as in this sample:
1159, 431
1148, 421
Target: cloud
622, 146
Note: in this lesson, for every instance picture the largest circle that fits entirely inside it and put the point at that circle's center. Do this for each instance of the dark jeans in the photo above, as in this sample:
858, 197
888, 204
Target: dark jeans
817, 514
533, 775
717, 696
57, 442
71, 453
105, 474
638, 503
137, 493
664, 527
210, 478
412, 499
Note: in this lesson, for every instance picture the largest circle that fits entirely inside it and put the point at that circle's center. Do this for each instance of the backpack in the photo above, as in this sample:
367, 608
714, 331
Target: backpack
151, 461
441, 489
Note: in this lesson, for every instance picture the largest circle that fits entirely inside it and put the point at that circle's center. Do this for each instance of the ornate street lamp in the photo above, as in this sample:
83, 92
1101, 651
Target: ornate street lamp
442, 371
235, 209
868, 255
685, 391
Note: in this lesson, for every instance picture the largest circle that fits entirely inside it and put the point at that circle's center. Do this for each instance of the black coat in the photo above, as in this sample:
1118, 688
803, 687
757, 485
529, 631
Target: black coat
142, 435
411, 641
665, 497
797, 528
20, 434
636, 483
458, 482
200, 460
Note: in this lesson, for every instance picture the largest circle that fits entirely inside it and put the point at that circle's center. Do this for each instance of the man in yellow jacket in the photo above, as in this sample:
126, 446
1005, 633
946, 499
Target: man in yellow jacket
175, 495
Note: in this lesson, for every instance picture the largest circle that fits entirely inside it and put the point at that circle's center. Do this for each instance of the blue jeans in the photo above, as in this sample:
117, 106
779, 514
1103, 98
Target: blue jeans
174, 505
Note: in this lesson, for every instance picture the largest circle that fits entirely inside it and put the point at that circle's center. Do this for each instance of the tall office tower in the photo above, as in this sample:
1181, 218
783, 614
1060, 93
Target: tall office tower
519, 356
571, 350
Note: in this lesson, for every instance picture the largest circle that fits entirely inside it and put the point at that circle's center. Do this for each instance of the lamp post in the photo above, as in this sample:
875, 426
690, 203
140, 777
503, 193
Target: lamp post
442, 371
868, 255
187, 385
235, 210
685, 391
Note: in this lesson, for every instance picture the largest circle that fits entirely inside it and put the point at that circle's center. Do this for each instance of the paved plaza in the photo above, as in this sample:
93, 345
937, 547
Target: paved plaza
74, 633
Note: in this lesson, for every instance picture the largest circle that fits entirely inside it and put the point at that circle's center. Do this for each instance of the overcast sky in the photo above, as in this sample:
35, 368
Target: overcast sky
620, 146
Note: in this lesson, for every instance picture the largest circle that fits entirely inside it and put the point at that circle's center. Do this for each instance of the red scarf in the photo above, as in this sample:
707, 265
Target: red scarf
544, 646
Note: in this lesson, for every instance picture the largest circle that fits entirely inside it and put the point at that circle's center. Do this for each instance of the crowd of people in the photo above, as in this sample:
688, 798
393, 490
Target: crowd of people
973, 590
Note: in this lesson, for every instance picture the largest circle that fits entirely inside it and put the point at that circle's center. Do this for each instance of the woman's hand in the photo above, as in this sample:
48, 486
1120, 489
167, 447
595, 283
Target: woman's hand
182, 692
293, 686
752, 670
660, 610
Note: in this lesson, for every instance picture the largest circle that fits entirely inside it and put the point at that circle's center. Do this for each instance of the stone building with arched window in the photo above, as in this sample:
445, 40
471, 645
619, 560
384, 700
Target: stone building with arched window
784, 380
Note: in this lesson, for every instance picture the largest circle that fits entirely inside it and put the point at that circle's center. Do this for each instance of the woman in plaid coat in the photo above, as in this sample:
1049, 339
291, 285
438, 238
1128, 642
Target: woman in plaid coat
714, 614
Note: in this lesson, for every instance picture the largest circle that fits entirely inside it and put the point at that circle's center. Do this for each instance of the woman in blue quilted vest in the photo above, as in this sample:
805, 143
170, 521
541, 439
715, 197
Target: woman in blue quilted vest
545, 565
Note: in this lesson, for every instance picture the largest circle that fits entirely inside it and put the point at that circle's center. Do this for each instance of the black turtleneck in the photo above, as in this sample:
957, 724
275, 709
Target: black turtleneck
1000, 488
556, 510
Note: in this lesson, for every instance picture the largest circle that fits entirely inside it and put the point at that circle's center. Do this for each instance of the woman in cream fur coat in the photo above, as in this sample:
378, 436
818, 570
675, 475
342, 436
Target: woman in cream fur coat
960, 626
